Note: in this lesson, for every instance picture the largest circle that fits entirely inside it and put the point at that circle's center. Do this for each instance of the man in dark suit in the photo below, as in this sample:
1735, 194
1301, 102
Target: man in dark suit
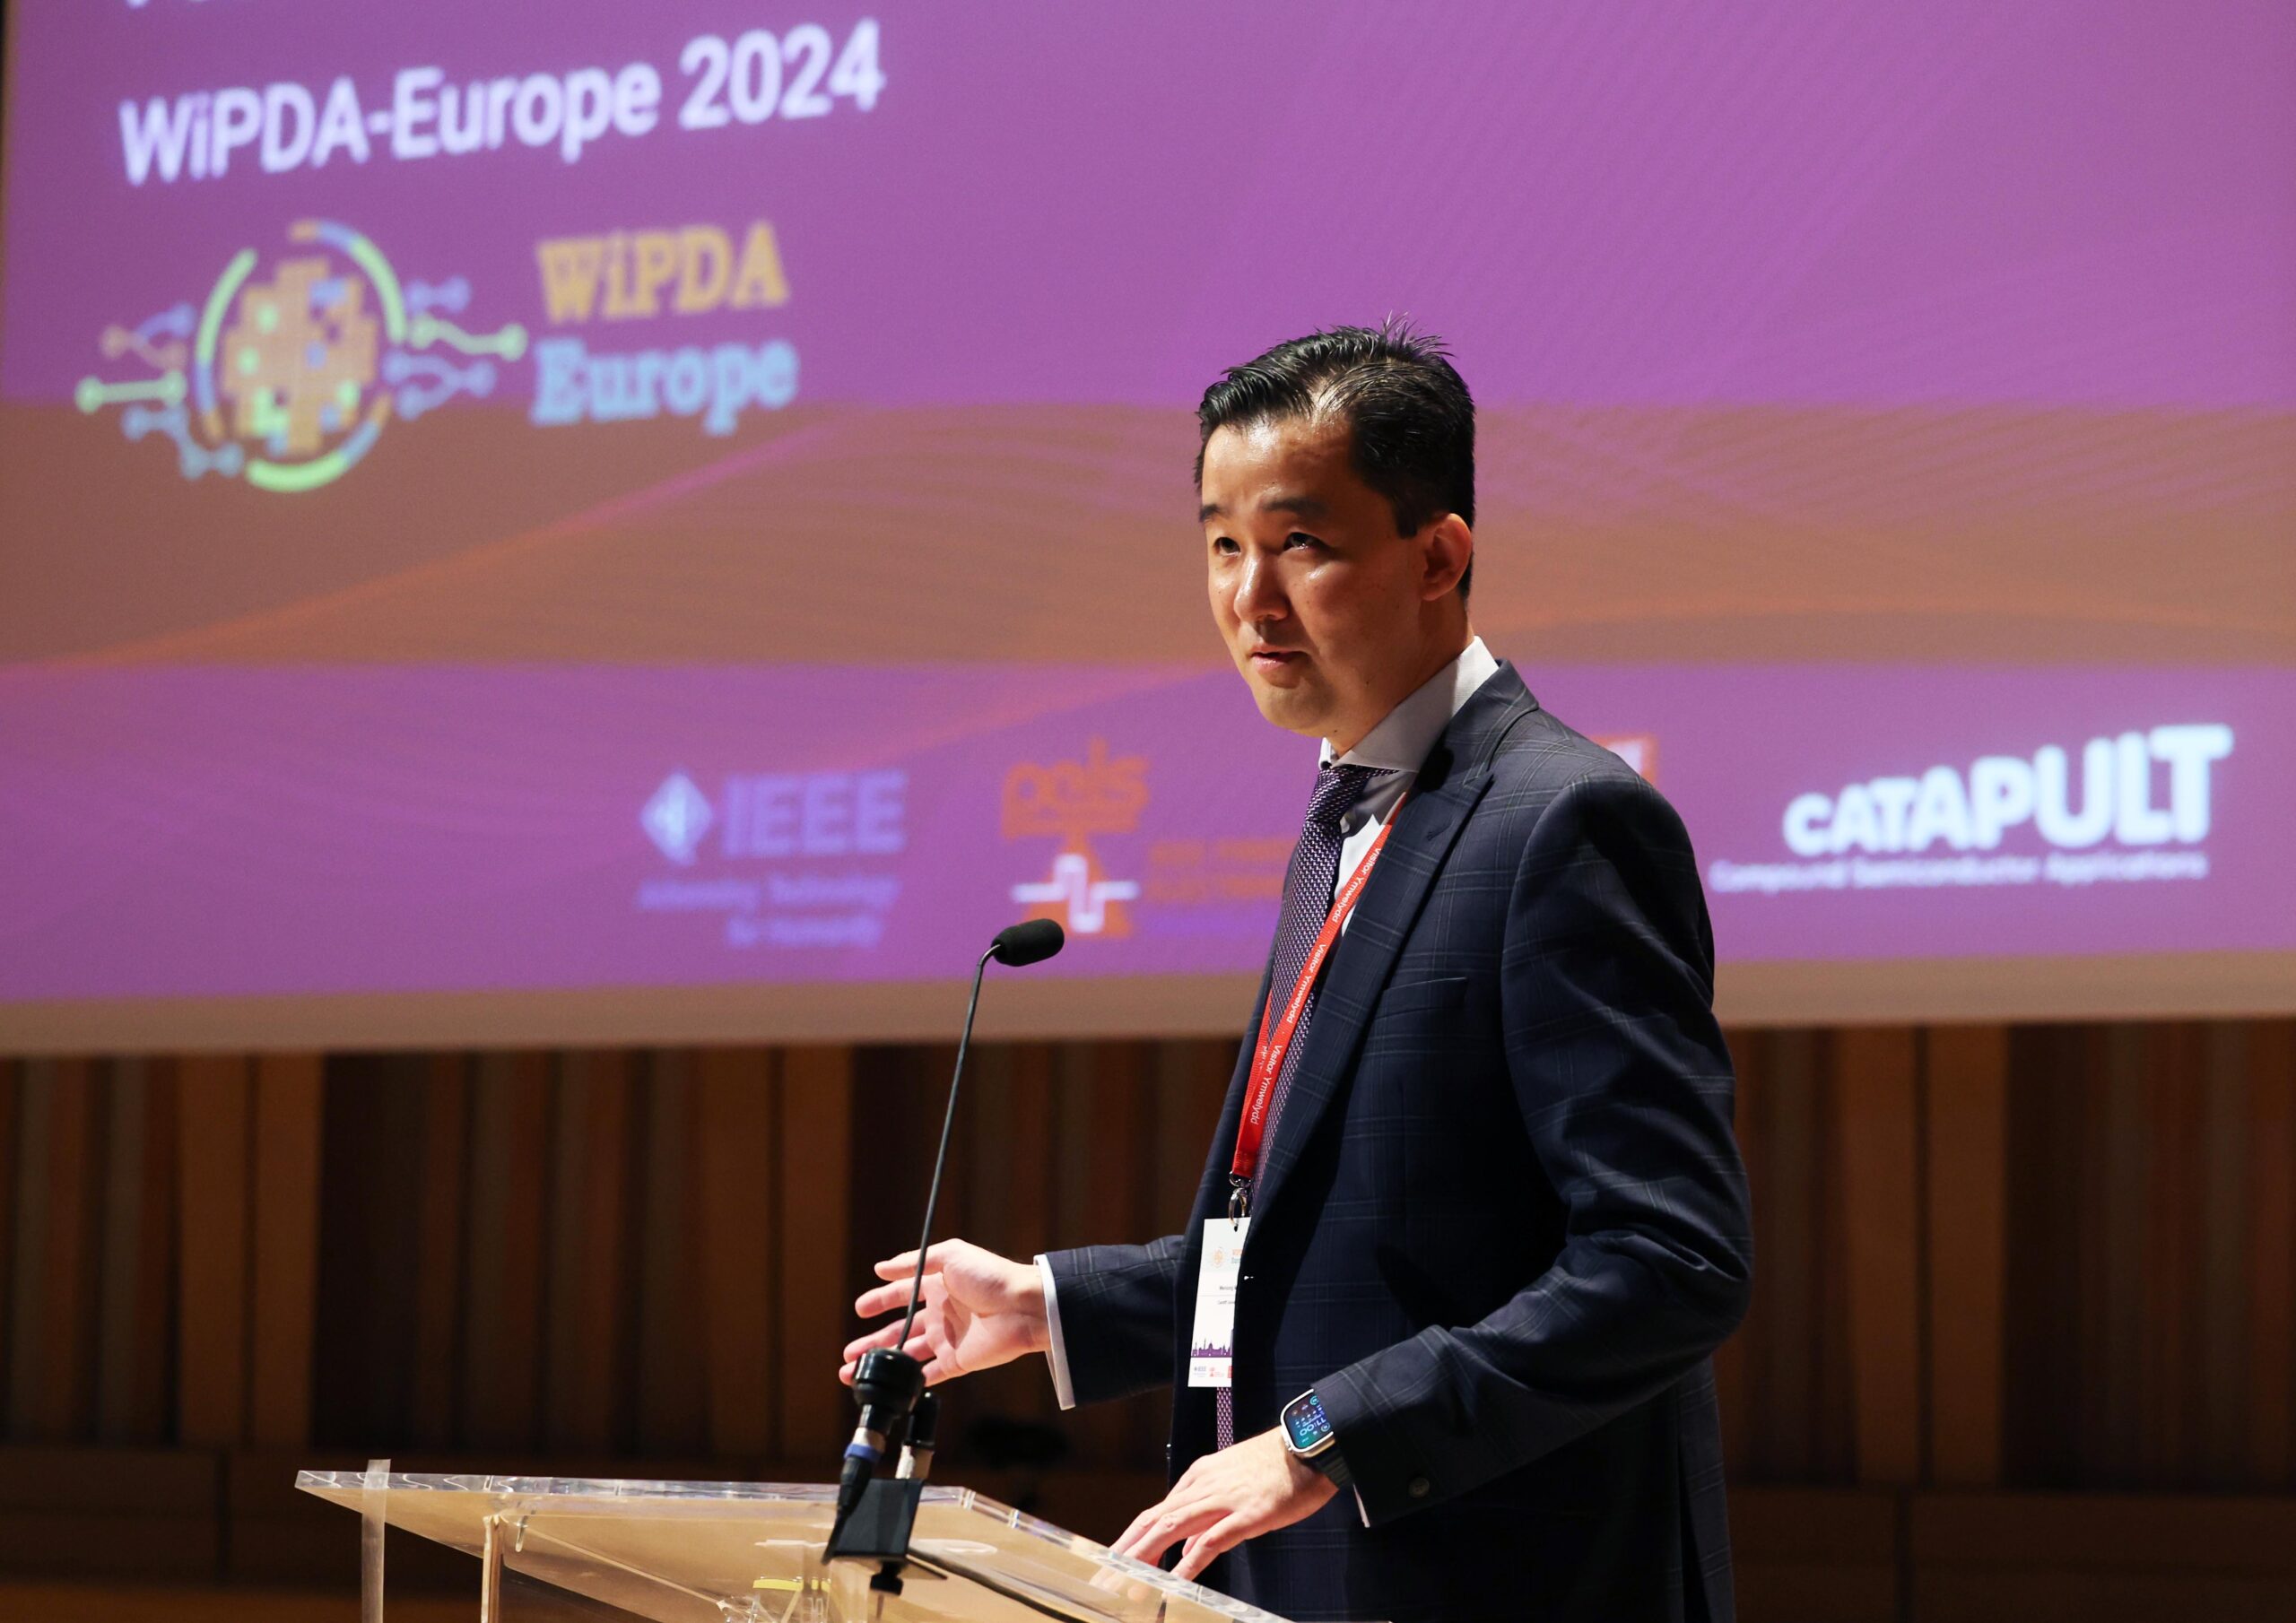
1491, 1219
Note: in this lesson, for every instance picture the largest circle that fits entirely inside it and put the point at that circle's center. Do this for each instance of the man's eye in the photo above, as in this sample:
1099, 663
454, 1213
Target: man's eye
1296, 539
1224, 544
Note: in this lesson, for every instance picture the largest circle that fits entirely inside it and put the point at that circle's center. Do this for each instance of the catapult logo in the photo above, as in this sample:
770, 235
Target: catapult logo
287, 372
2139, 807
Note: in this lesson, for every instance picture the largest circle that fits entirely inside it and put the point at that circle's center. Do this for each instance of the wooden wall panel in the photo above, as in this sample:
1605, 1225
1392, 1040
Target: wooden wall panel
285, 1127
1965, 1201
126, 1118
1736, 1375
818, 1275
1033, 1198
1104, 1131
2218, 1378
1789, 1222
364, 1373
214, 1202
52, 1386
2048, 1335
13, 1222
671, 1379
1992, 1266
1012, 1205
2171, 1284
737, 1161
1191, 1088
587, 1342
2120, 1188
913, 1112
2269, 1392
2099, 1556
509, 1191
2035, 1258
136, 1399
442, 1196
1876, 1099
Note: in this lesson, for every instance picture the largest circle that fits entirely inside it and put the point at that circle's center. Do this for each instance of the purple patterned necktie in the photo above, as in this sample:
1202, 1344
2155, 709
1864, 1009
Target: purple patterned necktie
1307, 892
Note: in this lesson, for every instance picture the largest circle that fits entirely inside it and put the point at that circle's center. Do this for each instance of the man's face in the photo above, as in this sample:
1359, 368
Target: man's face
1329, 613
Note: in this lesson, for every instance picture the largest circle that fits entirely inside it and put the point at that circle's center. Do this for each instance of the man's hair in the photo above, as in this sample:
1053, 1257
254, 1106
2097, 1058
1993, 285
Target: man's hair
1410, 419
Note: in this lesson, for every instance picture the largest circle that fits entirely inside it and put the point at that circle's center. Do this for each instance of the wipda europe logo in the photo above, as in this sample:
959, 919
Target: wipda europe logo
285, 375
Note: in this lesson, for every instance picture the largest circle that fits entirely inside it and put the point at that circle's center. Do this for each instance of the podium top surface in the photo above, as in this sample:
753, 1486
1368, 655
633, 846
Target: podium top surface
707, 1552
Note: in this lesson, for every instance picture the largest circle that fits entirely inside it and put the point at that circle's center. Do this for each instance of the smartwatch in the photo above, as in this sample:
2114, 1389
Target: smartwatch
1309, 1436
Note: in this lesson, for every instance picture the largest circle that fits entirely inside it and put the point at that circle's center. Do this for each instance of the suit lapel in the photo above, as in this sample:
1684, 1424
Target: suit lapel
1448, 787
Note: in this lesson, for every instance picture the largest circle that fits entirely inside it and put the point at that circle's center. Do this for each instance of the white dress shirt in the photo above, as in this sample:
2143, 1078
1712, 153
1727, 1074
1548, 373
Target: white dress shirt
1399, 745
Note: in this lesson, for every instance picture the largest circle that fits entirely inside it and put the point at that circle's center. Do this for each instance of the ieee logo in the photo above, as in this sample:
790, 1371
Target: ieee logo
677, 818
781, 815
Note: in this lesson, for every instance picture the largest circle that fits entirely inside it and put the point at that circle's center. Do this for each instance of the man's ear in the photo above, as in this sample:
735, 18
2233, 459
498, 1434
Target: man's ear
1449, 550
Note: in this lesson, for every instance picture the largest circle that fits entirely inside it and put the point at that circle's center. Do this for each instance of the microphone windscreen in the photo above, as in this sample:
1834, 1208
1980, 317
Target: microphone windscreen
1029, 943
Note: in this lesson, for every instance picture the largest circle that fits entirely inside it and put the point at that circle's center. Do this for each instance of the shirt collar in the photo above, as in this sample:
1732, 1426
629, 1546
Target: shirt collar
1404, 737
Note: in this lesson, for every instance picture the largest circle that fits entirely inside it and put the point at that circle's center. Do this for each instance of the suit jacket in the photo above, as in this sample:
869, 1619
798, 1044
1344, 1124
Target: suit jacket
1501, 1223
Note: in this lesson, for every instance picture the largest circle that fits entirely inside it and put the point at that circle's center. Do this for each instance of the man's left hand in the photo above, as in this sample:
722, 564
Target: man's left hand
1239, 1493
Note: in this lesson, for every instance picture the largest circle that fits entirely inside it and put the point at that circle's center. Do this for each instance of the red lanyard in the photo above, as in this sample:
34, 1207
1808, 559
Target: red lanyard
1276, 1033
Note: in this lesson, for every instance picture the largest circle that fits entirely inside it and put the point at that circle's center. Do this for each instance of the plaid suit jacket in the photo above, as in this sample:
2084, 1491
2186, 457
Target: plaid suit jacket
1502, 1224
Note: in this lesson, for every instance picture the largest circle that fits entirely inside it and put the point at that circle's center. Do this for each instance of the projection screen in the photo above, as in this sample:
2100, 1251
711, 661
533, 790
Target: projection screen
600, 522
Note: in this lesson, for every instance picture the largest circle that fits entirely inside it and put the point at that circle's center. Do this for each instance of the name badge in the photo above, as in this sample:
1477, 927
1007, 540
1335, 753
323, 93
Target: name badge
1212, 1345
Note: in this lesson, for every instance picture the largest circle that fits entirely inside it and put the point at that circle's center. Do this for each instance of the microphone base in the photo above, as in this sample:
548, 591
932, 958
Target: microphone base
880, 1526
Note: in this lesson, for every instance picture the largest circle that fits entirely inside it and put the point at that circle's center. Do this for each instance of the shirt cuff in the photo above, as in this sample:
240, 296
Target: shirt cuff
1056, 1355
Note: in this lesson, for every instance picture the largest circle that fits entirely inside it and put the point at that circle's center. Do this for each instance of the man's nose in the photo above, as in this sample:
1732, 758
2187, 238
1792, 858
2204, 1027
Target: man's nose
1259, 596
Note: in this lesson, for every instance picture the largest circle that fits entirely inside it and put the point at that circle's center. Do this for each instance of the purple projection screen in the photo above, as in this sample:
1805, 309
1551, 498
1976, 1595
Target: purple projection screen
646, 522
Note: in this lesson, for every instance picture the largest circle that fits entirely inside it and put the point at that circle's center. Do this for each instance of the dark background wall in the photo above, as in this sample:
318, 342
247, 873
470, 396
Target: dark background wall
2023, 1339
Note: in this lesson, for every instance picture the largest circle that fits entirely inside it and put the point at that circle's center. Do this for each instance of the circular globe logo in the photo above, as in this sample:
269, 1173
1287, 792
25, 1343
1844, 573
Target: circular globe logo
294, 363
284, 360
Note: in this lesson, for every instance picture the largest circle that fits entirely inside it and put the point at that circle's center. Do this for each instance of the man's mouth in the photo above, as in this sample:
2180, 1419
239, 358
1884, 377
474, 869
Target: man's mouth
1275, 659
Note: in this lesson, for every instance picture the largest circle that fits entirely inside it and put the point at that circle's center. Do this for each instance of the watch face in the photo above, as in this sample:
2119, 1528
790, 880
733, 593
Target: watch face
1306, 1423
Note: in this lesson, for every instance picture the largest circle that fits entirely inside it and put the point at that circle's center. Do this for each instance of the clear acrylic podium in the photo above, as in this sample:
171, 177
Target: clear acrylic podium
747, 1552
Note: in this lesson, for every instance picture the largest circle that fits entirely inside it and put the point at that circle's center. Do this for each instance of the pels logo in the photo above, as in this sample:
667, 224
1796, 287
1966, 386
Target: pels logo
1075, 800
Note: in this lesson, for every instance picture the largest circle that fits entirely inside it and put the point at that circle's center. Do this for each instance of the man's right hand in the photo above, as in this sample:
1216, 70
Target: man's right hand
979, 1310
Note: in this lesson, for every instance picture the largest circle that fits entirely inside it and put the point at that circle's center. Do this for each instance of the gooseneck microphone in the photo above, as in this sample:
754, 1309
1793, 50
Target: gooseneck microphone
889, 1382
1020, 945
